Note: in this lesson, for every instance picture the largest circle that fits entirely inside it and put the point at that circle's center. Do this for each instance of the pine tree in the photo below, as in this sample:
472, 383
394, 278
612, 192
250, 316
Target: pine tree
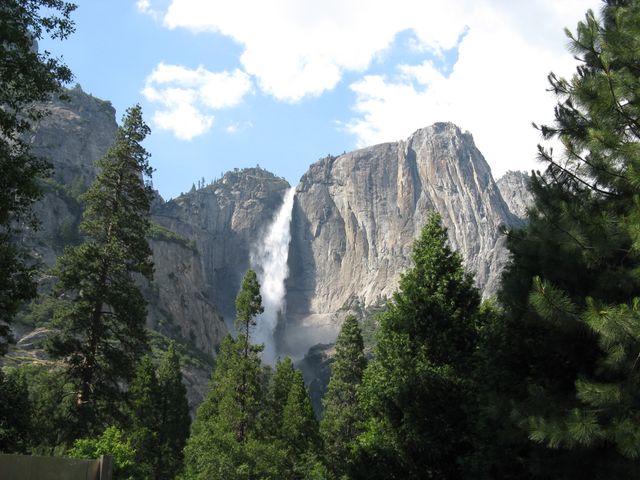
144, 419
26, 76
15, 414
226, 440
299, 431
248, 306
416, 391
101, 317
174, 415
212, 450
342, 417
567, 346
277, 395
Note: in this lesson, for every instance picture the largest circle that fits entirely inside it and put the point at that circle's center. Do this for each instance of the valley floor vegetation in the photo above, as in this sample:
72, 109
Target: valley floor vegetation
541, 382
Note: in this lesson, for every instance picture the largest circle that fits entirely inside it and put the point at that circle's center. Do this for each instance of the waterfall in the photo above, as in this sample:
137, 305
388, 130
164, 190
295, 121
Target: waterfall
270, 260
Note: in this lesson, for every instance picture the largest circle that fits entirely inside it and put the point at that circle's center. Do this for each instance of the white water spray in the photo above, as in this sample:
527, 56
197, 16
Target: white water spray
270, 259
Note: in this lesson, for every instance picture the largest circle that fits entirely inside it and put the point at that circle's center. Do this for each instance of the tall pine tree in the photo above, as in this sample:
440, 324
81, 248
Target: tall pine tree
101, 316
299, 432
567, 348
174, 416
416, 390
226, 441
26, 76
144, 419
342, 417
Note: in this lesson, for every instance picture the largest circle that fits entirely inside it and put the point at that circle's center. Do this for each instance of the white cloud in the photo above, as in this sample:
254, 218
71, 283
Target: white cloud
236, 127
144, 6
188, 97
495, 90
299, 48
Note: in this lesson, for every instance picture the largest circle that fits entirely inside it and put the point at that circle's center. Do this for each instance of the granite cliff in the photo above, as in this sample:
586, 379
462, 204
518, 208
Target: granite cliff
356, 216
514, 188
76, 133
353, 223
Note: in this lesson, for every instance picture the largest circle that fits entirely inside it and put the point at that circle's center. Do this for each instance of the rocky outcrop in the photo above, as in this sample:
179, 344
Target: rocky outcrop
354, 220
224, 220
356, 216
73, 136
514, 188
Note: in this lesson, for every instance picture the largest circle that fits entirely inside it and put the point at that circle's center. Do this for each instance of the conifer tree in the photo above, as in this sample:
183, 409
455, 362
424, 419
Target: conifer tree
212, 449
567, 346
144, 419
277, 395
248, 306
300, 432
226, 441
101, 313
26, 76
342, 417
15, 414
174, 415
416, 391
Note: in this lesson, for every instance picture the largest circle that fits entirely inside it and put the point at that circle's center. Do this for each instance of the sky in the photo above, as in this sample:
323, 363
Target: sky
227, 84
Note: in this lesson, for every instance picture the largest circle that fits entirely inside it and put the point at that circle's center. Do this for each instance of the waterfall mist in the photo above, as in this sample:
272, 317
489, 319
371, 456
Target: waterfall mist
270, 261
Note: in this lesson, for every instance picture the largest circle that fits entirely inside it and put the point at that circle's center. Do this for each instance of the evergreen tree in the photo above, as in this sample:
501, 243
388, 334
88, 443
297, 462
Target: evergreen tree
300, 431
101, 317
144, 420
342, 417
174, 415
564, 354
416, 391
248, 306
277, 395
26, 76
15, 414
50, 397
226, 441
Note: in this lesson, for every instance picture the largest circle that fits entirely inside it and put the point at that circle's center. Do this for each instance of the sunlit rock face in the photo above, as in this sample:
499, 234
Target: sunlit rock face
225, 221
76, 133
356, 216
514, 187
353, 221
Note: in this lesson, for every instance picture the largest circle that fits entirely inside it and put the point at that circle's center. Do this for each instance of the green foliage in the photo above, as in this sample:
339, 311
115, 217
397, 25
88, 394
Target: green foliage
113, 442
299, 426
174, 415
416, 393
342, 417
26, 76
276, 398
248, 303
164, 234
224, 431
144, 416
158, 415
100, 312
561, 361
15, 414
51, 399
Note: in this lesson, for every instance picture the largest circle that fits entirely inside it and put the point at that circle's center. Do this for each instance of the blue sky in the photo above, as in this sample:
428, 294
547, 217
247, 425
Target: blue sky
282, 83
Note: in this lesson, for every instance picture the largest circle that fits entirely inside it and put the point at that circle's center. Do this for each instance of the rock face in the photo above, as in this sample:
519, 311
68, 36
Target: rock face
354, 220
514, 188
356, 216
75, 134
224, 220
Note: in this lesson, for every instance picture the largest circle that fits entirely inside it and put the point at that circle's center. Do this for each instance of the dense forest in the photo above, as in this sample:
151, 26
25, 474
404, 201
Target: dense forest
540, 382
